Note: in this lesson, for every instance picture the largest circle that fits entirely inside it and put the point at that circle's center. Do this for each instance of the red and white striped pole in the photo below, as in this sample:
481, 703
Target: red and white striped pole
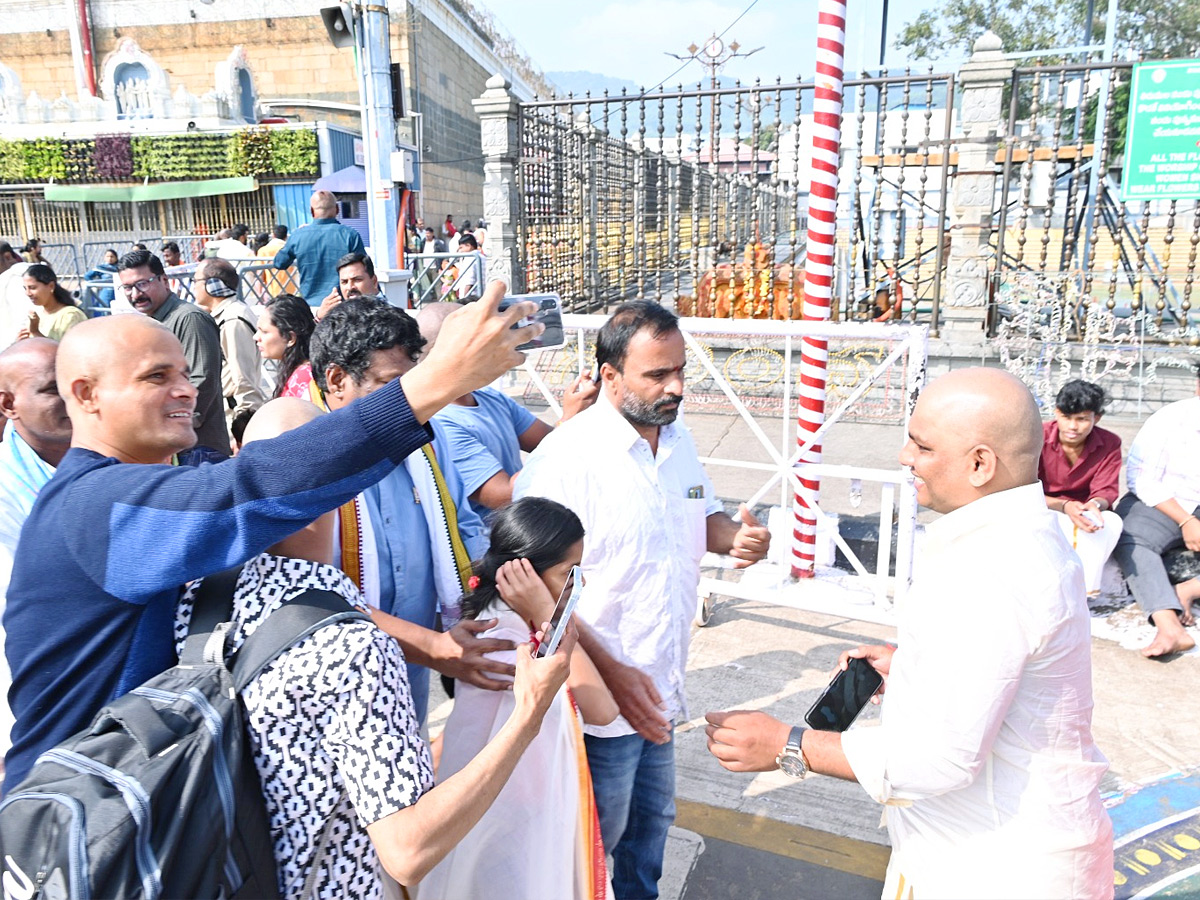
818, 268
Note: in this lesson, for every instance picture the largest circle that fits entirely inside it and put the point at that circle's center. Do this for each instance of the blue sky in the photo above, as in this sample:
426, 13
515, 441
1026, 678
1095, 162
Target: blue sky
628, 38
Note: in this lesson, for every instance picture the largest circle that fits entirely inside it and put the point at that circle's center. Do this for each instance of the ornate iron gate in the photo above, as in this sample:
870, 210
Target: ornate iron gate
698, 197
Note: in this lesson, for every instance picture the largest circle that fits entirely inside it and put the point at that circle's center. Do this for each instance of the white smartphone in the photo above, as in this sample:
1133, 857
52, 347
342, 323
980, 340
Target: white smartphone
549, 313
572, 589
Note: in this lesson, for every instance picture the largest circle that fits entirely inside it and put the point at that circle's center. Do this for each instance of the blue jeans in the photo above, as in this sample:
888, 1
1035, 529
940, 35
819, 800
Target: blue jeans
634, 782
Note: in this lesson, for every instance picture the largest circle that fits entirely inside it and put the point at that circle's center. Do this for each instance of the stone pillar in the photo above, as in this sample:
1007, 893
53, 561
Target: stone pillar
982, 121
497, 110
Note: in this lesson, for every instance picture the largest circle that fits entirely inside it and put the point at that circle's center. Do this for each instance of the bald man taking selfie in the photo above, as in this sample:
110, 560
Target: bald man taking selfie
117, 532
984, 757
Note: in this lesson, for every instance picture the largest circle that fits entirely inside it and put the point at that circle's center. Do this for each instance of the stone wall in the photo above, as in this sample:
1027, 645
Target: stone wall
445, 63
289, 57
446, 81
42, 59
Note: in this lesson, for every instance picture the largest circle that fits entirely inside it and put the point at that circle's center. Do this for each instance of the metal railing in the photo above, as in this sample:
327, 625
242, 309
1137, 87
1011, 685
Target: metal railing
697, 198
750, 370
438, 277
1059, 215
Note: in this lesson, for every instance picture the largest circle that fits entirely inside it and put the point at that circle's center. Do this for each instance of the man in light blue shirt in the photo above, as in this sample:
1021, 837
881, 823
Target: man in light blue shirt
316, 248
407, 541
487, 429
37, 437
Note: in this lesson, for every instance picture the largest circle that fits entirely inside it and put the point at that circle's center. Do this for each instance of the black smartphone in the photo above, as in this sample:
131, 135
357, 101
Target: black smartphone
549, 313
845, 697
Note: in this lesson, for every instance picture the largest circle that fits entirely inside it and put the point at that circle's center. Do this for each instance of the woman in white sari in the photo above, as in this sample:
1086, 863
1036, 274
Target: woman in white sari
541, 839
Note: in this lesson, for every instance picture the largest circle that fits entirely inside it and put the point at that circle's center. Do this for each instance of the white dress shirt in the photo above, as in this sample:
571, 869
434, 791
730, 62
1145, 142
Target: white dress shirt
14, 303
984, 756
643, 538
1164, 461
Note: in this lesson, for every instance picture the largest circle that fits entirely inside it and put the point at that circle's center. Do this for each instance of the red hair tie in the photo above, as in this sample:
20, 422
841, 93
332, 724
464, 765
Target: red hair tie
473, 582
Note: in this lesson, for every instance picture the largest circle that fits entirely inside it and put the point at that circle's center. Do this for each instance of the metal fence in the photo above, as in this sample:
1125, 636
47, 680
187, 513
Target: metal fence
749, 372
1084, 284
435, 276
698, 197
1060, 217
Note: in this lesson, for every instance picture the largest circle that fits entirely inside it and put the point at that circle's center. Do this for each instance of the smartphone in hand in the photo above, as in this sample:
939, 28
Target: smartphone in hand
848, 693
549, 313
572, 589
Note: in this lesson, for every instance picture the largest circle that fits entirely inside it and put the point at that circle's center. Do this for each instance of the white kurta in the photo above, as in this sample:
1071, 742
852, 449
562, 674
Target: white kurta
984, 755
527, 844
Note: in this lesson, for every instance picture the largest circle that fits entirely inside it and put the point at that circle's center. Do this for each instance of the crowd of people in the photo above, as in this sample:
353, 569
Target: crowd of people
304, 262
372, 460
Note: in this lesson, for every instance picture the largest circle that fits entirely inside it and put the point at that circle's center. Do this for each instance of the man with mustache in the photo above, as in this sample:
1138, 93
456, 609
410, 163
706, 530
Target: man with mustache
631, 474
143, 284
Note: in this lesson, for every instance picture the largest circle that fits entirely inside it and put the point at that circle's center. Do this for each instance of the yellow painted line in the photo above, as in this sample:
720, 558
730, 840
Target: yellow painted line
793, 841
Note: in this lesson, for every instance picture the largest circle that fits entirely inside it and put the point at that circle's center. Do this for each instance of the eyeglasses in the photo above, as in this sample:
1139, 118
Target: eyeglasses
138, 286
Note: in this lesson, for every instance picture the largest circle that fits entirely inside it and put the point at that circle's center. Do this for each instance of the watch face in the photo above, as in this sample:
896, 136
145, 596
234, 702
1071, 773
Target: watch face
792, 765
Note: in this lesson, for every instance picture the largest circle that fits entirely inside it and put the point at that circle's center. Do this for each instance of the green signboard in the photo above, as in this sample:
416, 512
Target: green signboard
1162, 146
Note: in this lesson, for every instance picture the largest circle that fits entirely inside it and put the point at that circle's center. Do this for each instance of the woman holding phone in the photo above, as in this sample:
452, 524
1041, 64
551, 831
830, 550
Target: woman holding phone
524, 842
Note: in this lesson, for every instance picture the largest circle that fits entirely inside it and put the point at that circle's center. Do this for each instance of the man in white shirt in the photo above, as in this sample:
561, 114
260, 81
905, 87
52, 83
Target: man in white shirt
231, 245
1159, 512
632, 476
14, 303
984, 758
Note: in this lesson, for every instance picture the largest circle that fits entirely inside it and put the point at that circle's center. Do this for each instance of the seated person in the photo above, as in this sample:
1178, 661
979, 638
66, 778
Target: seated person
1160, 515
1080, 469
883, 309
334, 732
102, 274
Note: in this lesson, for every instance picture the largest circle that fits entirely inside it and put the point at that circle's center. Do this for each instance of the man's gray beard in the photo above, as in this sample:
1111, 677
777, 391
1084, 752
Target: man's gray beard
649, 415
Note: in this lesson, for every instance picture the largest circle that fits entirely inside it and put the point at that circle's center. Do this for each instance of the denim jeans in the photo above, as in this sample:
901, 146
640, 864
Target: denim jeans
634, 783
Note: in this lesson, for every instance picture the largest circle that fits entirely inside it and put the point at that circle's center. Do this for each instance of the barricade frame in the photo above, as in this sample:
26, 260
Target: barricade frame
907, 341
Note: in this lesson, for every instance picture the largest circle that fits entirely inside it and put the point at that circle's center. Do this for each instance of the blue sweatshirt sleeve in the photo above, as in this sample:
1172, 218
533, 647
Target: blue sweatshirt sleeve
154, 527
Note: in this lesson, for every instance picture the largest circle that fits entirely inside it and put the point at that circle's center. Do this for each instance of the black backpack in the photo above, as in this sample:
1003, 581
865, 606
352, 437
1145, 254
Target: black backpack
160, 798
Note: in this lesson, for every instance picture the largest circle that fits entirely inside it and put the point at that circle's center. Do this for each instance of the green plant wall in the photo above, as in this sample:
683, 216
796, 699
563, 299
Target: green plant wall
259, 151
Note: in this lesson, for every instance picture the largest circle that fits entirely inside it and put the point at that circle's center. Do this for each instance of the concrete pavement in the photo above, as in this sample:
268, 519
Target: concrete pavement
749, 836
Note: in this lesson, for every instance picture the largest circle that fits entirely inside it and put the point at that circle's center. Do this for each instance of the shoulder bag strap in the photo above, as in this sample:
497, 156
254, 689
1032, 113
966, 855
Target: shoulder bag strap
292, 622
212, 606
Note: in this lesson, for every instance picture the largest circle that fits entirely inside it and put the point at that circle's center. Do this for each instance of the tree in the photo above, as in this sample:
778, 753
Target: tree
1158, 29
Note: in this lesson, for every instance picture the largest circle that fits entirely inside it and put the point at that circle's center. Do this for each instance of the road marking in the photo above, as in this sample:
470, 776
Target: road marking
820, 848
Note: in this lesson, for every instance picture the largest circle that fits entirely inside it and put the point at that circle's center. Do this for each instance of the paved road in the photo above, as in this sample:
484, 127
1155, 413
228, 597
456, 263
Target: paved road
764, 836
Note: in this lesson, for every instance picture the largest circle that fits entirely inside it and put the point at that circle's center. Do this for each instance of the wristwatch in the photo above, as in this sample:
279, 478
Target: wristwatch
791, 758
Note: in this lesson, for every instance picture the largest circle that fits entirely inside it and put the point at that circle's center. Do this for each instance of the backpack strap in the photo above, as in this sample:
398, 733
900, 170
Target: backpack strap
291, 623
211, 607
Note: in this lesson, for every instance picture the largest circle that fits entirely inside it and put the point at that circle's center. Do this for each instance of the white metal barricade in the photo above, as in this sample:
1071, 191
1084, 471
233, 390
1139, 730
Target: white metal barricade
830, 590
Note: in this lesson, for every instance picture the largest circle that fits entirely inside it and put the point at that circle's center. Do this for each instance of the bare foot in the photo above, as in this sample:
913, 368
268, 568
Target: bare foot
1171, 637
1188, 593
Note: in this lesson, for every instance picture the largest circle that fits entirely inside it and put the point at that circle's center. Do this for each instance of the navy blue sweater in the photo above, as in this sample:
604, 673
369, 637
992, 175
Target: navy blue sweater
108, 546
